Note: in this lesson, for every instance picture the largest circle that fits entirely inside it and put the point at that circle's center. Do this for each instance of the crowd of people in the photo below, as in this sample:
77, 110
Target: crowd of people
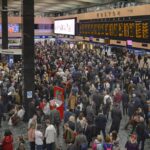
98, 88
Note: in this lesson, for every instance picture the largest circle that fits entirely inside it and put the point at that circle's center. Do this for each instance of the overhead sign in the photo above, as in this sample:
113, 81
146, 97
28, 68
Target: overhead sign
11, 51
136, 29
66, 26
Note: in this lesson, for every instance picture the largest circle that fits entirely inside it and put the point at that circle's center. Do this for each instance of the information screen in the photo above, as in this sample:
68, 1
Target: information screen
129, 42
12, 28
123, 30
66, 27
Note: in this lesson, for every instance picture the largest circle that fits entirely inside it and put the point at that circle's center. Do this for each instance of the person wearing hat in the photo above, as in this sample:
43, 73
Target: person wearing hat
7, 142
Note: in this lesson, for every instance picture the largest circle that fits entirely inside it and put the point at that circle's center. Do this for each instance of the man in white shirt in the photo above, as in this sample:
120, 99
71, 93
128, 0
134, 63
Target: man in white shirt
39, 138
107, 103
50, 135
21, 112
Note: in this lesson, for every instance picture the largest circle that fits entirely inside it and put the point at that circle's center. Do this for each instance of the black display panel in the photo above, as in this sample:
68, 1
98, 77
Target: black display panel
136, 28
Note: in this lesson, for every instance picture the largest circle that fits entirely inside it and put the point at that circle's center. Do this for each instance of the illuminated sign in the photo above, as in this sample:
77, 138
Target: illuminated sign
121, 29
12, 28
66, 26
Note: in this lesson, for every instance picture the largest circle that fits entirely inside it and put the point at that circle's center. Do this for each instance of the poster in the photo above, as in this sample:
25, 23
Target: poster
59, 96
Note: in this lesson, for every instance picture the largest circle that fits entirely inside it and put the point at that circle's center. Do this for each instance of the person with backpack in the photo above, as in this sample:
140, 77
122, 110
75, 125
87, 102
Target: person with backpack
107, 145
107, 103
80, 142
55, 118
115, 140
97, 144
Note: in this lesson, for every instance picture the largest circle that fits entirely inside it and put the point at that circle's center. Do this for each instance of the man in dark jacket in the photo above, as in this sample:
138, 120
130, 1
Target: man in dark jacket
116, 116
131, 109
98, 101
67, 114
1, 111
141, 133
125, 100
100, 122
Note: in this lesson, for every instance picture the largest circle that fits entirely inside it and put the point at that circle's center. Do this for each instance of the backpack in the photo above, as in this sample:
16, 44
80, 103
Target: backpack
94, 146
84, 146
68, 136
57, 119
108, 147
99, 146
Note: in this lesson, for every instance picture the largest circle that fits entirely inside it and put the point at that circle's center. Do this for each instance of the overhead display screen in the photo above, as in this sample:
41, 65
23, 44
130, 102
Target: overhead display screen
66, 27
117, 29
12, 28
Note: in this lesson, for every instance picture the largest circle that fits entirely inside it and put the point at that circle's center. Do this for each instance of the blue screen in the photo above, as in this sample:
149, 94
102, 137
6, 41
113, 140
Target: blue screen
12, 28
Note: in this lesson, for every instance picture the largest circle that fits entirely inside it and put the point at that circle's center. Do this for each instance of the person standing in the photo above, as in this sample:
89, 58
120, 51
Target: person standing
80, 143
107, 145
7, 142
116, 116
145, 61
107, 103
72, 101
39, 138
141, 133
50, 135
125, 101
31, 136
32, 121
1, 111
139, 58
131, 144
100, 122
55, 118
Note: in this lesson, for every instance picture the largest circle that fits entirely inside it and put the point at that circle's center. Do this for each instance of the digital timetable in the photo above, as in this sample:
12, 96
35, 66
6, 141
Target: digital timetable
123, 29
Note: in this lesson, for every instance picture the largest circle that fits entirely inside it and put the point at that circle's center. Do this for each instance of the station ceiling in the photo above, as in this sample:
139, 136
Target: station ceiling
42, 6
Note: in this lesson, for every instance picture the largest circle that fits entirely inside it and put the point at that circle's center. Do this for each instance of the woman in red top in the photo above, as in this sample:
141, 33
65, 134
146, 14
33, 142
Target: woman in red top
7, 143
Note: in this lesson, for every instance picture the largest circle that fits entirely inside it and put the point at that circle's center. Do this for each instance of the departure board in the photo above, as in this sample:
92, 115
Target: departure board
137, 30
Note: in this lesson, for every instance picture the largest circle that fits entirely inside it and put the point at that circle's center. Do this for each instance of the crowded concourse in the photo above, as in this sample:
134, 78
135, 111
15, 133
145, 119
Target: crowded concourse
99, 90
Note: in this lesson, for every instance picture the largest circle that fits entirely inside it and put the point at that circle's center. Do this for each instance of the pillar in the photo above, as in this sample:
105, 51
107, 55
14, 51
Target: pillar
4, 25
28, 54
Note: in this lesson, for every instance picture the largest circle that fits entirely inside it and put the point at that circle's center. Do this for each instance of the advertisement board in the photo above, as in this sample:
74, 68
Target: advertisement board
66, 26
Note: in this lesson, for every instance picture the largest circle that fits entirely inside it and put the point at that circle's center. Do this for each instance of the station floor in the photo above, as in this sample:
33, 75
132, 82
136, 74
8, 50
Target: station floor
21, 129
